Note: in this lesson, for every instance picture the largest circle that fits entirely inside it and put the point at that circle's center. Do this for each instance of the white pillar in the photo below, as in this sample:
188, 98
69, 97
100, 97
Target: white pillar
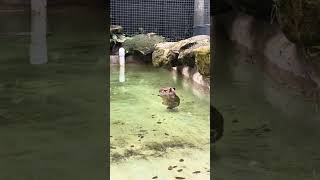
38, 46
122, 54
122, 77
199, 13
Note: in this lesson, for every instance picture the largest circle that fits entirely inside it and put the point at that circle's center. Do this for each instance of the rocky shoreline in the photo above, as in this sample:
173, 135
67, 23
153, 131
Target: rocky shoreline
189, 57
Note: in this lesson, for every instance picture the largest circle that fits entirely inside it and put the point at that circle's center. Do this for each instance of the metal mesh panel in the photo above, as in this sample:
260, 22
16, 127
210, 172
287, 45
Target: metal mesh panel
207, 11
172, 19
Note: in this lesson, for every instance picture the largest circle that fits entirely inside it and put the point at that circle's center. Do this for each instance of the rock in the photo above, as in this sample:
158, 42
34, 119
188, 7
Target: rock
235, 121
142, 43
202, 59
184, 46
187, 56
300, 20
177, 177
116, 34
172, 54
117, 37
116, 29
161, 55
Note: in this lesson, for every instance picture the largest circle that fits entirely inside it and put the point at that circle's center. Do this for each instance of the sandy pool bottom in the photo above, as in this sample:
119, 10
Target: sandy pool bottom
147, 140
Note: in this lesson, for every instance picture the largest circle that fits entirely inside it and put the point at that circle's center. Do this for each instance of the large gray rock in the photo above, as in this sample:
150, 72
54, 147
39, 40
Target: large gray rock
192, 52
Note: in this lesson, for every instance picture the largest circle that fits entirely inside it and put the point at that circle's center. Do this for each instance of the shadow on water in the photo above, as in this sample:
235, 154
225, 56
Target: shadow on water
270, 131
51, 115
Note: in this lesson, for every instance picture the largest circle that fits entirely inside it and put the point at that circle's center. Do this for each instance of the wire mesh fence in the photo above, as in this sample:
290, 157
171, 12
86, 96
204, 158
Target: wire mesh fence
172, 19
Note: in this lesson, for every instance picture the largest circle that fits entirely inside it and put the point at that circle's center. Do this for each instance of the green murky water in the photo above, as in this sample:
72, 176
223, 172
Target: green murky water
144, 131
271, 132
51, 115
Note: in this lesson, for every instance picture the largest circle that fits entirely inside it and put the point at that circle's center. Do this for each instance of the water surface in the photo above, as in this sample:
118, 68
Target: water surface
271, 131
146, 138
51, 115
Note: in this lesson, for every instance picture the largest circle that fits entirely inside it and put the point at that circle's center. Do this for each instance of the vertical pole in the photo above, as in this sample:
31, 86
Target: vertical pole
200, 20
122, 77
122, 64
198, 12
38, 46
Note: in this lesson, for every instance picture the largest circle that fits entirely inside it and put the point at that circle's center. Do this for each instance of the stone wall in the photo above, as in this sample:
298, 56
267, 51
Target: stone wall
265, 44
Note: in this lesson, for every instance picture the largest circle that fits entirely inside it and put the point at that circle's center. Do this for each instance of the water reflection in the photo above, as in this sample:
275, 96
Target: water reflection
52, 116
38, 45
122, 77
270, 131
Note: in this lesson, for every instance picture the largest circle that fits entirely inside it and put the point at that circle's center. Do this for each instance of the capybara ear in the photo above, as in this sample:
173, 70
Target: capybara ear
174, 88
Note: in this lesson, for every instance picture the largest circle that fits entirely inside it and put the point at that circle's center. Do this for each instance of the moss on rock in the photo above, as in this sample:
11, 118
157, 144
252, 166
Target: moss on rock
117, 37
142, 43
184, 52
300, 20
202, 60
187, 56
161, 55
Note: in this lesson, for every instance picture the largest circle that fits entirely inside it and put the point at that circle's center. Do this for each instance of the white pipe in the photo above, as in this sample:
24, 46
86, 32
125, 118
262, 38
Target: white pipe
122, 64
122, 76
122, 56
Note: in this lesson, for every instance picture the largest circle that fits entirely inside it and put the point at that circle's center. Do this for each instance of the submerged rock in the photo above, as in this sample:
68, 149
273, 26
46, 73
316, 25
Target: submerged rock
142, 43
